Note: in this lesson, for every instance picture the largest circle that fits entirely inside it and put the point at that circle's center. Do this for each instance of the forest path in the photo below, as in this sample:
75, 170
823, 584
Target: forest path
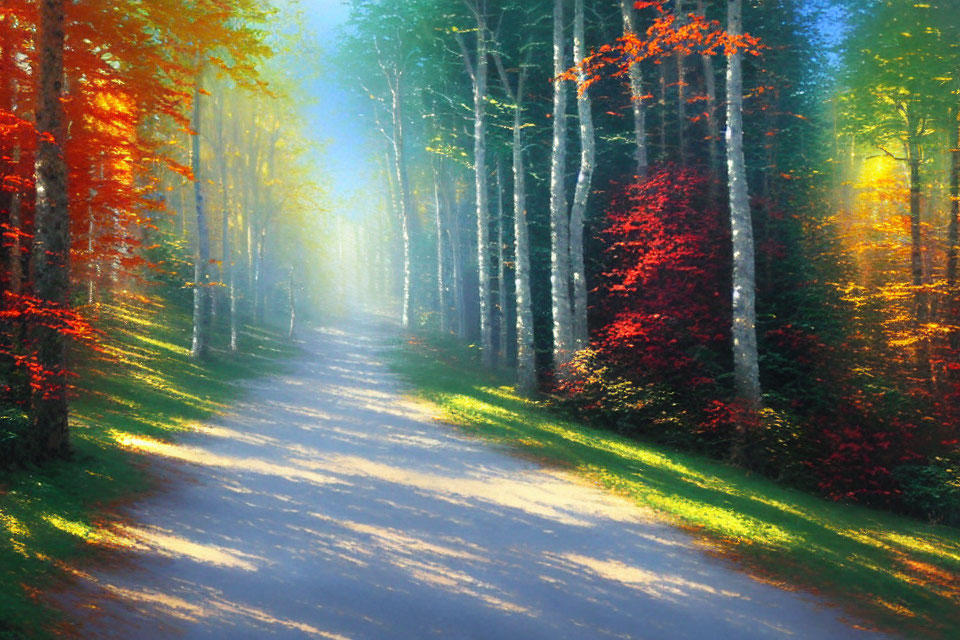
324, 505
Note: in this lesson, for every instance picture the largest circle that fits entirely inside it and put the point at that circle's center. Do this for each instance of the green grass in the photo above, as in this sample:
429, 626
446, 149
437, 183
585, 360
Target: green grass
145, 385
896, 572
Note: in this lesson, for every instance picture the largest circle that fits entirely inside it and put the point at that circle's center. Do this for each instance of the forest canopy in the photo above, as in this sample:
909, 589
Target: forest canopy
731, 226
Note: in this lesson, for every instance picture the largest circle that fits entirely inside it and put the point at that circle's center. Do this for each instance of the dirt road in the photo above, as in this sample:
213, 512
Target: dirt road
324, 506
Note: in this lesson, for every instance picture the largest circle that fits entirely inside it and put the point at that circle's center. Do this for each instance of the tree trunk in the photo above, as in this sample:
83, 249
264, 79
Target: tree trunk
526, 356
635, 75
403, 195
921, 302
713, 124
51, 243
227, 261
559, 216
916, 247
250, 260
442, 305
234, 329
588, 153
215, 295
91, 230
16, 226
201, 267
293, 306
681, 94
745, 358
456, 264
182, 212
662, 68
482, 193
259, 293
502, 301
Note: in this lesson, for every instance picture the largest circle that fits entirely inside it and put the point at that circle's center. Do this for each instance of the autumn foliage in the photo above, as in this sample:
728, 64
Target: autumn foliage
128, 73
666, 296
668, 34
657, 363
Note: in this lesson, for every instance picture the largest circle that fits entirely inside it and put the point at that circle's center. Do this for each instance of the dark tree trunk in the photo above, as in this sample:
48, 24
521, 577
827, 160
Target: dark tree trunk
921, 301
51, 245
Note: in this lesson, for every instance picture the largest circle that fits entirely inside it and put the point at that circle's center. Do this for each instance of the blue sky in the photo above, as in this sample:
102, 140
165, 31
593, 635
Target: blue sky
331, 116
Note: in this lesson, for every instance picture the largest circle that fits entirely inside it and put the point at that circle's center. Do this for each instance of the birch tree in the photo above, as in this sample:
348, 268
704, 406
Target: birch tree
478, 75
588, 154
635, 84
559, 213
746, 367
201, 264
526, 356
441, 231
710, 86
503, 303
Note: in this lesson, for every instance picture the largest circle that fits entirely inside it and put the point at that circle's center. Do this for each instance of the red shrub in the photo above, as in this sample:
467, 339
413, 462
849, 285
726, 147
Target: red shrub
665, 295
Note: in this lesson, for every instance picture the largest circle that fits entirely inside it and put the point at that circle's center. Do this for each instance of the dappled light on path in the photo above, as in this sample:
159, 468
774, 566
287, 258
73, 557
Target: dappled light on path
328, 506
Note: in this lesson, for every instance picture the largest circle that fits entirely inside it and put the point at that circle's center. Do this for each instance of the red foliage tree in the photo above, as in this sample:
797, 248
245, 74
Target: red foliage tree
666, 292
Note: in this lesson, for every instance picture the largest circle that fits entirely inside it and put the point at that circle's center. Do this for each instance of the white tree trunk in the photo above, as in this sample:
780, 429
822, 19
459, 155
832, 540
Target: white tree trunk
502, 301
588, 153
456, 252
259, 292
713, 123
291, 330
635, 75
745, 359
201, 272
442, 304
403, 199
482, 194
681, 93
526, 356
559, 215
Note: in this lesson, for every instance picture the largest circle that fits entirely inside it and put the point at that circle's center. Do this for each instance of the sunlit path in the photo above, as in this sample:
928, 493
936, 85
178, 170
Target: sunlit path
325, 506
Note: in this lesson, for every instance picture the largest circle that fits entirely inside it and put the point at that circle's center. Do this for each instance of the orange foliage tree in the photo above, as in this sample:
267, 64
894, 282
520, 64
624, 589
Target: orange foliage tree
126, 83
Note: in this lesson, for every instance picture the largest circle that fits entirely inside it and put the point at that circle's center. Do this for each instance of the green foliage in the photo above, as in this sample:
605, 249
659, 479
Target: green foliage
932, 490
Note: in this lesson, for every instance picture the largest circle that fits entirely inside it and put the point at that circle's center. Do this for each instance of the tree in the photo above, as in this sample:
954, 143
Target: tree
899, 94
478, 74
635, 85
201, 269
588, 156
559, 213
746, 367
51, 243
526, 355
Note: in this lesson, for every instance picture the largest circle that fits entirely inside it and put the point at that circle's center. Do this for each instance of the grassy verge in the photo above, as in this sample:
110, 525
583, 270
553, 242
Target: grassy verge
901, 574
144, 385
